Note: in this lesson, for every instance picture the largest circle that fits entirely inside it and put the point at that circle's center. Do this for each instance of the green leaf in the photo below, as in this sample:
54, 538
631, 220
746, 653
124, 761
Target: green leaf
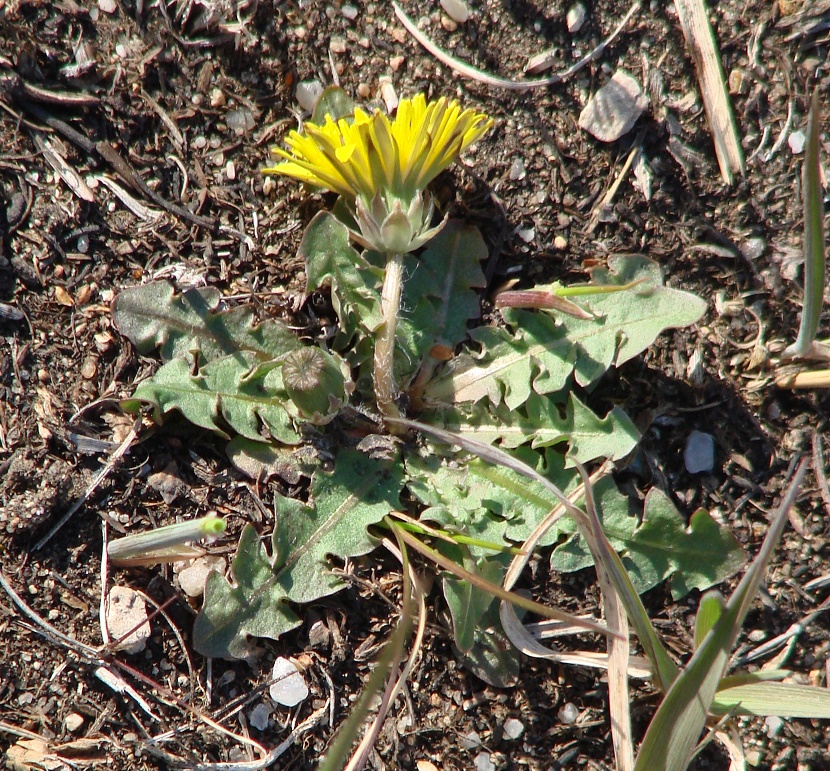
659, 548
262, 460
154, 316
493, 658
467, 602
709, 611
331, 261
537, 354
628, 322
359, 492
533, 355
762, 698
814, 245
253, 605
334, 101
545, 421
240, 392
439, 296
489, 502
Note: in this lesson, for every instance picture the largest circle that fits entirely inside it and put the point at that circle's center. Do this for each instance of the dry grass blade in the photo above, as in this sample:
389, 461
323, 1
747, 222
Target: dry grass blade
700, 38
473, 73
665, 670
618, 642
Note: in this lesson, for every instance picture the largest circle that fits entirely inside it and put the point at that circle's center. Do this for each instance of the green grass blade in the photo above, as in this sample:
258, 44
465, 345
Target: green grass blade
673, 733
813, 237
763, 698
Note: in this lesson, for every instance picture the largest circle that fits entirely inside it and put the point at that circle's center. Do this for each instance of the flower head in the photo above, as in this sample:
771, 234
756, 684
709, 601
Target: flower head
382, 165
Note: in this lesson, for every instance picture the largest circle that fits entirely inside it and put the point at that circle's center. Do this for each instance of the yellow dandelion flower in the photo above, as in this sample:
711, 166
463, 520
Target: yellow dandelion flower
367, 154
382, 167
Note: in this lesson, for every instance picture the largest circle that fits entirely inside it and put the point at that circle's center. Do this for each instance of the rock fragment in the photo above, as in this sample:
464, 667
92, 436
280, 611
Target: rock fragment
614, 109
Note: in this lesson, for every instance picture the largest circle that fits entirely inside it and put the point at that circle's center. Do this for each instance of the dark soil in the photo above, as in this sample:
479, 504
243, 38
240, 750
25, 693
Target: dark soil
178, 102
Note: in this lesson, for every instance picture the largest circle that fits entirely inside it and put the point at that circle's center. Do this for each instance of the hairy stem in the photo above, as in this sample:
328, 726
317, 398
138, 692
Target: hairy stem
385, 389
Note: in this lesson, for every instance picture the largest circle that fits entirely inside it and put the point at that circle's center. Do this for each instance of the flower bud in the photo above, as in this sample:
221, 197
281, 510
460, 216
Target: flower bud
318, 383
385, 226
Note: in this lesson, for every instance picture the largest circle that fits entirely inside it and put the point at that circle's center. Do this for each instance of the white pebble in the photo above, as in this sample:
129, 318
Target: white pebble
517, 169
308, 92
456, 10
483, 762
526, 234
699, 455
107, 6
568, 713
470, 741
773, 725
83, 243
796, 142
73, 722
576, 18
513, 728
614, 109
349, 11
260, 717
289, 688
193, 578
230, 171
127, 613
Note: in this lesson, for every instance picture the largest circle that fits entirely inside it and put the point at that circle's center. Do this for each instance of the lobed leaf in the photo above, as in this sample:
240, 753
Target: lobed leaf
359, 492
239, 392
154, 316
659, 548
439, 296
543, 422
331, 261
537, 354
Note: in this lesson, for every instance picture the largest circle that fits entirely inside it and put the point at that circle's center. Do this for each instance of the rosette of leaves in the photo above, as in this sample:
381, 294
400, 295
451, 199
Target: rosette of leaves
521, 383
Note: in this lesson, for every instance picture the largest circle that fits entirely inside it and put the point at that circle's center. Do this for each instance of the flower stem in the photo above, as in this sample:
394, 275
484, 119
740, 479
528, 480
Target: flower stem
385, 389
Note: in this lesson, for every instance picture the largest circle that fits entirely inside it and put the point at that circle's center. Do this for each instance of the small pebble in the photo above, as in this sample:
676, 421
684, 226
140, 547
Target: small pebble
526, 234
456, 10
513, 728
349, 11
289, 688
699, 455
568, 713
560, 243
230, 171
396, 62
260, 717
307, 94
127, 615
89, 369
268, 185
363, 90
796, 141
217, 98
193, 578
483, 762
773, 725
73, 722
517, 169
470, 741
448, 24
337, 45
576, 17
200, 143
107, 6
83, 243
614, 109
240, 121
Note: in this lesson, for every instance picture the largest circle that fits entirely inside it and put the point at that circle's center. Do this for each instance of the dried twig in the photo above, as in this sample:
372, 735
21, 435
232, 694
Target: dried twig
700, 38
473, 73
